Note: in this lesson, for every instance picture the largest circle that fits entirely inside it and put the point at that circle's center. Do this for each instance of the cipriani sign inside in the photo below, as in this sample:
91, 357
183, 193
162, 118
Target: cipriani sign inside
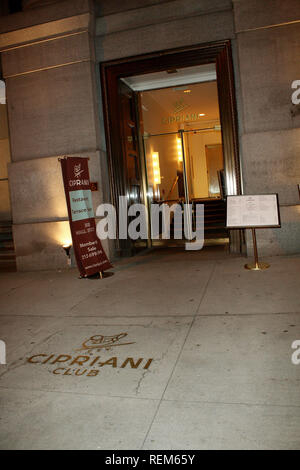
133, 222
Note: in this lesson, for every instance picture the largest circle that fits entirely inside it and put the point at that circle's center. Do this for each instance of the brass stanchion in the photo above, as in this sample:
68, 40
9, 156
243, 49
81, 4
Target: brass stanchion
257, 266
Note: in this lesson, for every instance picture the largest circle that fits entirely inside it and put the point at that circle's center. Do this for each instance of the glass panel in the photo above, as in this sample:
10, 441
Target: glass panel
185, 107
204, 163
165, 176
190, 170
164, 168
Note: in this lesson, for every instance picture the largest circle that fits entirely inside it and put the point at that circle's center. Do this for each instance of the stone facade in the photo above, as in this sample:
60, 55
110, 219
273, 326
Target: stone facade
50, 55
267, 35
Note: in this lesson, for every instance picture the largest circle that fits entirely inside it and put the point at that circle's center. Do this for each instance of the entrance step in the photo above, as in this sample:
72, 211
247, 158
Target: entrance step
214, 218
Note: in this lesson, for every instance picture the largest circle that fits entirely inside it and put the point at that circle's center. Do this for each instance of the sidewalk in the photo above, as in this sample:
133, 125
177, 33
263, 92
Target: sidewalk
200, 356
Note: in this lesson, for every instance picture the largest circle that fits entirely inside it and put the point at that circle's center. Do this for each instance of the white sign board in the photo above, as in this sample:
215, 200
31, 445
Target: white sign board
256, 211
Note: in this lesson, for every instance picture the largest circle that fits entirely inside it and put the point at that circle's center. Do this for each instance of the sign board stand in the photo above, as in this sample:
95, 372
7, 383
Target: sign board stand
257, 266
253, 211
89, 253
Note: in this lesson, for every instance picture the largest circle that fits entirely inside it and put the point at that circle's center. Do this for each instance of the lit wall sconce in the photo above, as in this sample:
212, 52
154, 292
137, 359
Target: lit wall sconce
179, 150
67, 248
156, 168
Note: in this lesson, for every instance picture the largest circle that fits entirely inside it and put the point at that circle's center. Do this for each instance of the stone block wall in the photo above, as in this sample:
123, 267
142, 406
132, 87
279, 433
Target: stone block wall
48, 64
268, 39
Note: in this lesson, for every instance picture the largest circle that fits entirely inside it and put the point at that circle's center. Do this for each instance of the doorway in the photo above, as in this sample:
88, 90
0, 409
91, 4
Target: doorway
183, 150
175, 140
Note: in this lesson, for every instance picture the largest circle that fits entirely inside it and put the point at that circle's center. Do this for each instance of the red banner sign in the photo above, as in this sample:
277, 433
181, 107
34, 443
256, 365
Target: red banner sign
89, 254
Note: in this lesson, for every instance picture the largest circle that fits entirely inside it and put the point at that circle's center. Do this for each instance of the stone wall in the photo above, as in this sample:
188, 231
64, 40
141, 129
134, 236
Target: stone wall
163, 25
268, 38
48, 65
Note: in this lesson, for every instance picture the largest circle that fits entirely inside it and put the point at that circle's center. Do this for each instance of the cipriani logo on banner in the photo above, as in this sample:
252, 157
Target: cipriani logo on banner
77, 170
187, 220
296, 353
2, 353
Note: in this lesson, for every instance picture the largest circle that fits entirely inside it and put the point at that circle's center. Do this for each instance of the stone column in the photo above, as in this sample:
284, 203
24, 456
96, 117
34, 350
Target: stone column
49, 68
268, 48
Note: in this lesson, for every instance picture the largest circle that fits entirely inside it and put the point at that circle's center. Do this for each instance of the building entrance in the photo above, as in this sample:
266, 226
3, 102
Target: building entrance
183, 150
174, 139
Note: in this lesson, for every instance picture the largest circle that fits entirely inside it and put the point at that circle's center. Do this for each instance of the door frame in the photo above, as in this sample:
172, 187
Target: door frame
220, 54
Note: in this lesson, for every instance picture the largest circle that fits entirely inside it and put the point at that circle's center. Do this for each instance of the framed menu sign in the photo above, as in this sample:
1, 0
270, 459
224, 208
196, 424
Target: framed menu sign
253, 211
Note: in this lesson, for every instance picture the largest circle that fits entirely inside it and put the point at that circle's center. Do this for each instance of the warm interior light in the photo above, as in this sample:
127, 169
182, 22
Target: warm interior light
179, 150
201, 114
186, 91
156, 169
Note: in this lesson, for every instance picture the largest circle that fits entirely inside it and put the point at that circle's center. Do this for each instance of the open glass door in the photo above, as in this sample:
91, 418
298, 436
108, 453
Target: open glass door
175, 74
166, 182
184, 153
132, 161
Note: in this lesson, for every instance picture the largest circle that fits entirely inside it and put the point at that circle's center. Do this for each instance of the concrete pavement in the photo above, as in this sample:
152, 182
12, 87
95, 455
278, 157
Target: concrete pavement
177, 350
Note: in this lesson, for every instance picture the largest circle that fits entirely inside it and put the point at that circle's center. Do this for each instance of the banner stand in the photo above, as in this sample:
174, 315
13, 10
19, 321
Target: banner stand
98, 275
88, 251
257, 266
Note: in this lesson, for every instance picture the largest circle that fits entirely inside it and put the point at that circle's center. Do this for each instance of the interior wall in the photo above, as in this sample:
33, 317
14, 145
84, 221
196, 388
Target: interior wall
196, 146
